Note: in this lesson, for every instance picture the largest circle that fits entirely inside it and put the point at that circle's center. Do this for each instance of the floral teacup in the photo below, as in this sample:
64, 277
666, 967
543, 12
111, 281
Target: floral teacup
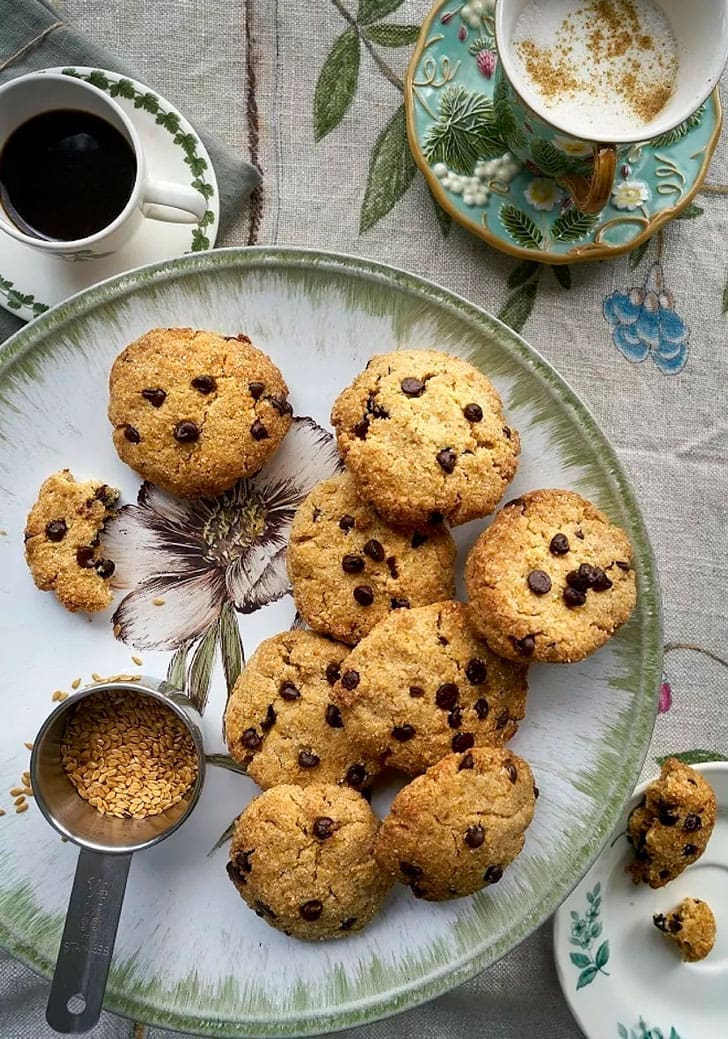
567, 149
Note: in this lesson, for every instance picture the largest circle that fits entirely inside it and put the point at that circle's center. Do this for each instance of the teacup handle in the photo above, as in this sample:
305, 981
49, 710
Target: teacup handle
591, 194
187, 206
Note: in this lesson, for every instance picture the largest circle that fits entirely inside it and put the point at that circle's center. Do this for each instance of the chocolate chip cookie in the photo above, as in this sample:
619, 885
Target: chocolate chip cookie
670, 828
454, 830
691, 925
281, 722
194, 411
303, 859
349, 569
422, 685
551, 579
63, 545
424, 434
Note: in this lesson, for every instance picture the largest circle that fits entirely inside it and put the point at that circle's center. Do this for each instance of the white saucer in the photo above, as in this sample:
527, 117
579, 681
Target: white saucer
633, 983
30, 282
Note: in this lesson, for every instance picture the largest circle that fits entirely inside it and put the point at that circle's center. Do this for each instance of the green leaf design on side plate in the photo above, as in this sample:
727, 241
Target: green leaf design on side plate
637, 255
562, 275
392, 35
98, 79
519, 305
200, 670
548, 158
523, 272
622, 1032
391, 171
693, 757
602, 957
372, 10
465, 131
586, 977
579, 959
521, 227
336, 84
573, 225
200, 241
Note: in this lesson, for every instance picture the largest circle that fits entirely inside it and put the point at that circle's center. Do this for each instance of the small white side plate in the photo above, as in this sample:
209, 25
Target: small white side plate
623, 979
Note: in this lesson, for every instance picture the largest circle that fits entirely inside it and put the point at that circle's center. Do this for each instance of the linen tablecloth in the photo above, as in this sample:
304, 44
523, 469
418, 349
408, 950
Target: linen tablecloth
248, 70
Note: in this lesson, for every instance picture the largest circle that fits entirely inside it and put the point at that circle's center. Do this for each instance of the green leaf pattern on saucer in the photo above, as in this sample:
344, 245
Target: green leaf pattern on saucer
585, 930
641, 1031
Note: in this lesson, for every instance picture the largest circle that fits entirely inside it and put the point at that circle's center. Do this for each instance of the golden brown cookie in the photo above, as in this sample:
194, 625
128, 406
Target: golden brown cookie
281, 722
670, 828
454, 830
350, 570
551, 579
424, 433
691, 925
62, 541
195, 411
422, 684
303, 859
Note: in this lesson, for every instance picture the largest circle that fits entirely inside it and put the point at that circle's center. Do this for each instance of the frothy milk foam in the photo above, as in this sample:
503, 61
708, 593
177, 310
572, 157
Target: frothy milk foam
600, 66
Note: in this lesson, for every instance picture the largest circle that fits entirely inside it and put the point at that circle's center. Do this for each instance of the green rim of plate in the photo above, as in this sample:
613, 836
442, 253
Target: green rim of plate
643, 678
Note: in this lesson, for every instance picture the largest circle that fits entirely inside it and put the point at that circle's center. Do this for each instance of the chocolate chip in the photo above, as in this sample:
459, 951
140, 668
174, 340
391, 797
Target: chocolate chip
323, 827
375, 550
466, 762
524, 646
242, 861
333, 673
667, 815
350, 679
307, 759
622, 565
102, 494
502, 719
539, 582
186, 432
474, 836
258, 431
411, 871
288, 691
315, 514
412, 387
493, 874
251, 739
507, 432
131, 434
361, 429
674, 926
512, 771
481, 708
692, 822
364, 594
281, 405
418, 540
312, 910
156, 397
403, 733
333, 717
346, 925
205, 384
56, 530
584, 578
536, 793
455, 718
579, 534
261, 909
447, 696
443, 641
234, 873
356, 776
270, 719
346, 523
514, 503
476, 671
256, 389
660, 921
473, 412
85, 557
105, 568
352, 564
689, 850
601, 582
393, 571
559, 545
664, 873
447, 459
416, 692
399, 604
574, 598
435, 518
375, 409
462, 741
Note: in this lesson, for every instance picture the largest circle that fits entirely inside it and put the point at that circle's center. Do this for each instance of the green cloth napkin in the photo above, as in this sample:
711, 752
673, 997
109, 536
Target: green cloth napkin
34, 36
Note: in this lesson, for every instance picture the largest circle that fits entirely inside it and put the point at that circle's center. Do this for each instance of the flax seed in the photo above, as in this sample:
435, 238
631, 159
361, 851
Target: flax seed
22, 808
75, 683
29, 746
137, 660
158, 602
16, 791
19, 800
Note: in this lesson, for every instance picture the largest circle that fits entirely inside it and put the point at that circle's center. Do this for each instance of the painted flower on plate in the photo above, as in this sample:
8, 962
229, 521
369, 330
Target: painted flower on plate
644, 324
572, 147
486, 60
580, 933
629, 194
543, 193
195, 556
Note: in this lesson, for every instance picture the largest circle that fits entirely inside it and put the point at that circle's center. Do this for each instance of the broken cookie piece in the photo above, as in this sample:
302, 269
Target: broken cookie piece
691, 925
62, 541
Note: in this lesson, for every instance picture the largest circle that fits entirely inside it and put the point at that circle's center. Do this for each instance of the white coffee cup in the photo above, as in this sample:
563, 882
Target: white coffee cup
38, 92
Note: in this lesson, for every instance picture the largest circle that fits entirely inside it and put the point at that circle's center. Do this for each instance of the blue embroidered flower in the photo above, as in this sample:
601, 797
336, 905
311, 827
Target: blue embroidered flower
643, 322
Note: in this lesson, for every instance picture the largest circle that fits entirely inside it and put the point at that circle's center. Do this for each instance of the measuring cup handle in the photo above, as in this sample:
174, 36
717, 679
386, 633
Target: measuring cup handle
79, 981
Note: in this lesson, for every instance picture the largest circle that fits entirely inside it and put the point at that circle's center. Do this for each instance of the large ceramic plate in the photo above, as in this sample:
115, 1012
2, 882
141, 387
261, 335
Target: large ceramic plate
189, 954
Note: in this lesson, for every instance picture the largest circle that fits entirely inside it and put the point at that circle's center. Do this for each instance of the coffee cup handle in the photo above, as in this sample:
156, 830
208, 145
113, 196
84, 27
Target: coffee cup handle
186, 206
591, 194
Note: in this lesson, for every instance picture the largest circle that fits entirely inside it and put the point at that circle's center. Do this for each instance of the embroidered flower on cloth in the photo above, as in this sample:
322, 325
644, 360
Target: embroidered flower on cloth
644, 324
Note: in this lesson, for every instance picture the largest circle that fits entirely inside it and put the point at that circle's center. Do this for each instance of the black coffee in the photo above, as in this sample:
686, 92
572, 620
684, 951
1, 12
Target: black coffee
65, 175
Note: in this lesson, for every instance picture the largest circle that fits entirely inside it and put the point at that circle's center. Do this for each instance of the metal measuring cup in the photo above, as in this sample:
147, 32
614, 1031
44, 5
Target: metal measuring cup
107, 844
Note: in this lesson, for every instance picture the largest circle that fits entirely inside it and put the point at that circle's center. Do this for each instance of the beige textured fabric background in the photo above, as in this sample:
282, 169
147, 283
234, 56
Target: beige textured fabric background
248, 71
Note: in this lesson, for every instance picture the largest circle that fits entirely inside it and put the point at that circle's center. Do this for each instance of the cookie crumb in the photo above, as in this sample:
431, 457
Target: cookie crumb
691, 925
